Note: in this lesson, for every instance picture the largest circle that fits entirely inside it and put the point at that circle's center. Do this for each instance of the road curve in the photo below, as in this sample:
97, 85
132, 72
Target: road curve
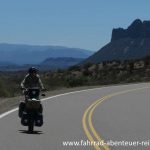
115, 113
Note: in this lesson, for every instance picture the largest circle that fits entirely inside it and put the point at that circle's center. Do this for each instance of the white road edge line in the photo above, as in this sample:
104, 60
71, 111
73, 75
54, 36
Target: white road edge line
51, 97
44, 99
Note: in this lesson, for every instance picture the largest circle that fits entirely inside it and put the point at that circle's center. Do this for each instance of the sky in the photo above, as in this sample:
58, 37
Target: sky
83, 24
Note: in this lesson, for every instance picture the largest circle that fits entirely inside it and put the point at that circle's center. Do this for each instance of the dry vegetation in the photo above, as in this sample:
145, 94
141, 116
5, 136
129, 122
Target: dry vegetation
110, 72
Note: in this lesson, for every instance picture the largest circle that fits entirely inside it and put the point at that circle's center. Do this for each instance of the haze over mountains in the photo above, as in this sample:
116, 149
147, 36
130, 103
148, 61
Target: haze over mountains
130, 43
29, 54
14, 57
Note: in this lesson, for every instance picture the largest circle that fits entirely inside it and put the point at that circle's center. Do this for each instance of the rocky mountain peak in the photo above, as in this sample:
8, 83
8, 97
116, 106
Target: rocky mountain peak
137, 29
126, 44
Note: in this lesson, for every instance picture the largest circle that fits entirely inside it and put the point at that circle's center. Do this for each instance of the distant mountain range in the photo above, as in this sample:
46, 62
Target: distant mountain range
20, 54
48, 64
125, 44
61, 62
14, 57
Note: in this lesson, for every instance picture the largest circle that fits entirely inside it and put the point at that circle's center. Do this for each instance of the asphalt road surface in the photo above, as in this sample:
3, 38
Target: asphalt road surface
108, 118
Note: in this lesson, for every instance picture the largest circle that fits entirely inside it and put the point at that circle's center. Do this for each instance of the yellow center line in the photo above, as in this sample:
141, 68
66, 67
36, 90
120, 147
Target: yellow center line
87, 132
91, 124
89, 113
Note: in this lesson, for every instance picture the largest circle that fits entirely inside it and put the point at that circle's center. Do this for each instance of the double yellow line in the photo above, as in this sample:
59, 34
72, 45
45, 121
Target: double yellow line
88, 127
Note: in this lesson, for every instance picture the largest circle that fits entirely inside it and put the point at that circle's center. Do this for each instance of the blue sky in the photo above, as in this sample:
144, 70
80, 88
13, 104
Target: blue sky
73, 23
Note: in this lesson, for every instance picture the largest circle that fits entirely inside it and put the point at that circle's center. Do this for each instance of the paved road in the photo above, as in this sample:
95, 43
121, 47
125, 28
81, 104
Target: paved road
117, 113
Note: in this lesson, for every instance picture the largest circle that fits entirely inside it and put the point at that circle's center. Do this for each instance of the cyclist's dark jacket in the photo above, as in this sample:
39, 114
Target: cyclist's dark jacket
31, 82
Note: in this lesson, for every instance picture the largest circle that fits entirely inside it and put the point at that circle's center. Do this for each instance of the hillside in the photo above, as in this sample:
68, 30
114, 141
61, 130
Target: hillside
60, 62
48, 64
130, 43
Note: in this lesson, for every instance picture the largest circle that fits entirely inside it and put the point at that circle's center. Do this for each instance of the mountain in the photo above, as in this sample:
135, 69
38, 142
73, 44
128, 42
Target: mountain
60, 62
30, 54
5, 63
130, 43
48, 64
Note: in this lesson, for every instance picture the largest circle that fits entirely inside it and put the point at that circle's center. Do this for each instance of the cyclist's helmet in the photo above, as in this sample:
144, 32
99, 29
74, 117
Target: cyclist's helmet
32, 70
